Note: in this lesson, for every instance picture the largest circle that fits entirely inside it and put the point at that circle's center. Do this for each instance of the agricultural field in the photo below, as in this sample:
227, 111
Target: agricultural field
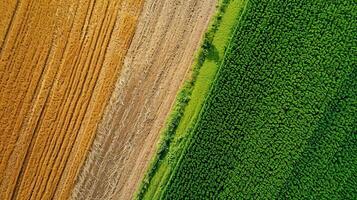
85, 87
280, 121
185, 111
158, 61
178, 99
58, 65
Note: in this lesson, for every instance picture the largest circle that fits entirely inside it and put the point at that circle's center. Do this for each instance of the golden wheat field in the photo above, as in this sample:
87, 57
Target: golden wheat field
59, 62
85, 87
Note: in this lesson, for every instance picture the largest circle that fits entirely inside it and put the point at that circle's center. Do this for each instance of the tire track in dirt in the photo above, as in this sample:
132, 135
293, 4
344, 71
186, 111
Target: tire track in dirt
59, 61
159, 58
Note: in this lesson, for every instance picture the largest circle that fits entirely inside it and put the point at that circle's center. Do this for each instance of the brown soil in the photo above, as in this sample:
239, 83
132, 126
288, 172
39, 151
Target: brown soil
59, 61
168, 33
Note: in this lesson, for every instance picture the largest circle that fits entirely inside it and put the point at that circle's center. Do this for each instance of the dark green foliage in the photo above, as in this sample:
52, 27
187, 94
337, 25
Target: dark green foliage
328, 163
281, 119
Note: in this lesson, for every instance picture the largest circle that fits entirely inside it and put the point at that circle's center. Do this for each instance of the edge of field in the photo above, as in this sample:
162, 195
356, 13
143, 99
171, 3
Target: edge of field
242, 8
191, 98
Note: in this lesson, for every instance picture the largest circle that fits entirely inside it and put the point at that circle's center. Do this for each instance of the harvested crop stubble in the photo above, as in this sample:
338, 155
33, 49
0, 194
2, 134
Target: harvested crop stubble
168, 33
59, 61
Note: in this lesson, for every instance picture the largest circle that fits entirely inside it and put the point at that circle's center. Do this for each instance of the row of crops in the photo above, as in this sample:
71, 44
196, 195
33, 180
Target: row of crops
281, 119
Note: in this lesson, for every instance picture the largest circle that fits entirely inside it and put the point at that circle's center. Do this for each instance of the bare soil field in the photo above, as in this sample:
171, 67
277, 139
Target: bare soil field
159, 58
59, 62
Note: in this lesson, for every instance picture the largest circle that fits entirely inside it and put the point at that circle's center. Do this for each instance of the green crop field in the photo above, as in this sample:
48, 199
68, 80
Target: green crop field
280, 121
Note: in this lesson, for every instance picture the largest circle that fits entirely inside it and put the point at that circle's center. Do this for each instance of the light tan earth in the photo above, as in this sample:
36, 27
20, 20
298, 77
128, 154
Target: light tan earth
159, 58
59, 62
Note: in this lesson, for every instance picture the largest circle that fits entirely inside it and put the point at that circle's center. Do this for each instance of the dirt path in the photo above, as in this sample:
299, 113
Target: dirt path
168, 33
59, 61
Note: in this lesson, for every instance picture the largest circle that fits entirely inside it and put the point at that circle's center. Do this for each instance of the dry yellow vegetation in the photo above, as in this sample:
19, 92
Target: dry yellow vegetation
59, 61
158, 60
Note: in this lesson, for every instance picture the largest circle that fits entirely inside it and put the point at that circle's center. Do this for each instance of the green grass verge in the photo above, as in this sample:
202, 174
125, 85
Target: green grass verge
190, 99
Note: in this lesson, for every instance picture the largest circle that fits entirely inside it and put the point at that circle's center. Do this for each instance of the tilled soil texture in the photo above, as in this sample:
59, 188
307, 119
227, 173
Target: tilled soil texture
59, 62
168, 34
